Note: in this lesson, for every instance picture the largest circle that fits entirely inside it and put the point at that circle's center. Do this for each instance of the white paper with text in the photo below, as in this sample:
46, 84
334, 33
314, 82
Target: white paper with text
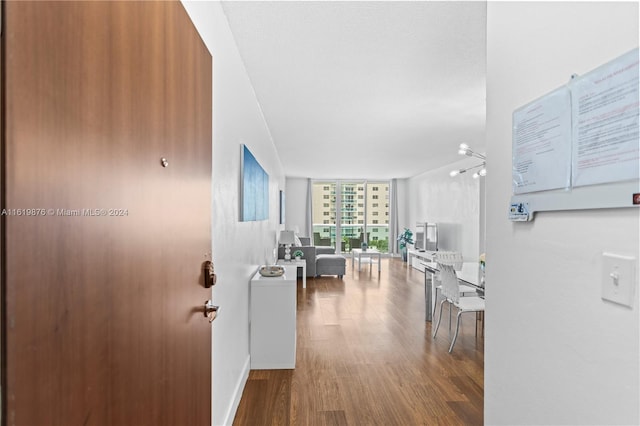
606, 131
542, 143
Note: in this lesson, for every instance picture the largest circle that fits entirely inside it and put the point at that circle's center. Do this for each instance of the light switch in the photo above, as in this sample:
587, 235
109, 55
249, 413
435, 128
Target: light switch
618, 278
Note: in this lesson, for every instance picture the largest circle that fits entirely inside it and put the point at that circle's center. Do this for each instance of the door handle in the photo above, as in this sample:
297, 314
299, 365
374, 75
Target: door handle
211, 310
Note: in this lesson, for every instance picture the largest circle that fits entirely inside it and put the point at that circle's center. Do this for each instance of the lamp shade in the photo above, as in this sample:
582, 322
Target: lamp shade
287, 237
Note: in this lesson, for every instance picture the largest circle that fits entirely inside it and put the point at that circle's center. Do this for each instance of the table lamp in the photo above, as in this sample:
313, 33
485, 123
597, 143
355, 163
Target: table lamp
287, 238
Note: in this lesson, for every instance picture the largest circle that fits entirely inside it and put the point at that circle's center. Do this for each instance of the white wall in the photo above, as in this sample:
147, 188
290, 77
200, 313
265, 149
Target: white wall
453, 203
238, 247
555, 352
296, 205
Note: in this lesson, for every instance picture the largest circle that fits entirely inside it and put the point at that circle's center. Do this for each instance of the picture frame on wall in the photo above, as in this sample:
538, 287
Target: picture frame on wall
254, 188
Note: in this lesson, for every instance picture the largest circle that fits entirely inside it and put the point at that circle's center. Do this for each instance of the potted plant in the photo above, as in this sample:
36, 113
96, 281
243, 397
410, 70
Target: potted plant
405, 238
298, 254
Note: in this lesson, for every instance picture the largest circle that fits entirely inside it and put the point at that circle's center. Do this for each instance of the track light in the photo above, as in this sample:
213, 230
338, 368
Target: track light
465, 150
482, 172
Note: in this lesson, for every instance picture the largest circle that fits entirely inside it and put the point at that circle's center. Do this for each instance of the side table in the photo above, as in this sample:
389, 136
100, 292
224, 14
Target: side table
299, 264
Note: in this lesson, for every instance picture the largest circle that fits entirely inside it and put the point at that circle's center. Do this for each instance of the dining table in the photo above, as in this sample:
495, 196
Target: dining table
468, 275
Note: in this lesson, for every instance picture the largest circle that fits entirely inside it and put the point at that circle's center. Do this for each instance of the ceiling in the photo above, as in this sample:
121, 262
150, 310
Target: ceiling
365, 89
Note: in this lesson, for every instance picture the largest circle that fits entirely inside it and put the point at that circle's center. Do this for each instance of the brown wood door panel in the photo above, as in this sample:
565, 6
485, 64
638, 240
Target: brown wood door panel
103, 320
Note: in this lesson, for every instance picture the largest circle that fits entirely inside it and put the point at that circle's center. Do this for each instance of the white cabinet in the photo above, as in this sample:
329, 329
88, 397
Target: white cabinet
416, 257
273, 321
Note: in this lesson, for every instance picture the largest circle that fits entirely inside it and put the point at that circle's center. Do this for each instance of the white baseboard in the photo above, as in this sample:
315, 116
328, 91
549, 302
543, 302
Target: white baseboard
237, 393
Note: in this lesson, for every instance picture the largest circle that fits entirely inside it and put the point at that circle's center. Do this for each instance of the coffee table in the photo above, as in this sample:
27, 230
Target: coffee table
365, 256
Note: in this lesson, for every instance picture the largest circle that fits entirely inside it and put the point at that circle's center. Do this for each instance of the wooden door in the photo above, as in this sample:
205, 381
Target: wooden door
103, 245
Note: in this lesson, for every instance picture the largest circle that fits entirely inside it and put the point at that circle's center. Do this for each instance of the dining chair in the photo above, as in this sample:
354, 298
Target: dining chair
455, 259
451, 292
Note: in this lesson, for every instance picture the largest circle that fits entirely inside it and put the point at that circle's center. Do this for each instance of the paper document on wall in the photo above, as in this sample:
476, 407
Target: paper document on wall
605, 123
542, 143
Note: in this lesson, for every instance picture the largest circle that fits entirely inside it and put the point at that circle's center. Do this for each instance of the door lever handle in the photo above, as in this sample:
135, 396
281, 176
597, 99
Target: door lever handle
211, 310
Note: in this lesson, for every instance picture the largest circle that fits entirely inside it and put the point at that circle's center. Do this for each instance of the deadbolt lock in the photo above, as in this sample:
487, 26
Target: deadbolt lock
210, 277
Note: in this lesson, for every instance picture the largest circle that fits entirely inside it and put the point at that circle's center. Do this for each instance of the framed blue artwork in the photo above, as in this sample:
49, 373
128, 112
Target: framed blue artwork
254, 188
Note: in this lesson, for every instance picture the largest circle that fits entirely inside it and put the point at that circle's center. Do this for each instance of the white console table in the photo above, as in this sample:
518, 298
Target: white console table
415, 258
273, 321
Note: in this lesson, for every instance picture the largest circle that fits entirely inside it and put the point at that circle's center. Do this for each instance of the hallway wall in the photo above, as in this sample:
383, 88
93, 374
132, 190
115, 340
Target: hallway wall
238, 247
555, 352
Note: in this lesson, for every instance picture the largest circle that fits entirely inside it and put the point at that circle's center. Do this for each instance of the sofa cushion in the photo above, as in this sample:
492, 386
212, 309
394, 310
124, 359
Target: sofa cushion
305, 241
330, 264
325, 250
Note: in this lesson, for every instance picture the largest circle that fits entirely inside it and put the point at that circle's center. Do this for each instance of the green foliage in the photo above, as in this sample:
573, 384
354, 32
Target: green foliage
405, 238
381, 245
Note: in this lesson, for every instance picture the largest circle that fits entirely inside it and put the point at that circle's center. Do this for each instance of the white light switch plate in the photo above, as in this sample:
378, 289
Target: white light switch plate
618, 278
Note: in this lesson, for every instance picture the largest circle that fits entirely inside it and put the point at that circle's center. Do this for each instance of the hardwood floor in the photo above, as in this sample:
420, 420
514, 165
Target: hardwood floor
366, 356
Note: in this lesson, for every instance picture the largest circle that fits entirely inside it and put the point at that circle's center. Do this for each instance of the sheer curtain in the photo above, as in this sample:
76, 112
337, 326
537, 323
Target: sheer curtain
393, 217
309, 218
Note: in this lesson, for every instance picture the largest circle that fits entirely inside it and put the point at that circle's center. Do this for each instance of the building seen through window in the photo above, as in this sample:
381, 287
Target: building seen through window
351, 223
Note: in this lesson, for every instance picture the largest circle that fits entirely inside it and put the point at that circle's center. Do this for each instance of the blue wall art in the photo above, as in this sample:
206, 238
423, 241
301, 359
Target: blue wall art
254, 188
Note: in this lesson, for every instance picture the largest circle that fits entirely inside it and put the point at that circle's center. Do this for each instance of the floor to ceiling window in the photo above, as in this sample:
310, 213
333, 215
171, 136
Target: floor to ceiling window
324, 213
378, 215
347, 214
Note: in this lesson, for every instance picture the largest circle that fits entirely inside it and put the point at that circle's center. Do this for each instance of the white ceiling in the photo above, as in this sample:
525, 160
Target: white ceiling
366, 89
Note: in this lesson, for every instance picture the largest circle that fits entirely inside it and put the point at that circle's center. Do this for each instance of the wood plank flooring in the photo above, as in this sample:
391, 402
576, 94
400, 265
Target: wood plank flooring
366, 356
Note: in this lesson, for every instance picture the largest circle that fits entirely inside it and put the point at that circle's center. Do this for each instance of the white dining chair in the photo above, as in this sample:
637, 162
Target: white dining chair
455, 259
451, 292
